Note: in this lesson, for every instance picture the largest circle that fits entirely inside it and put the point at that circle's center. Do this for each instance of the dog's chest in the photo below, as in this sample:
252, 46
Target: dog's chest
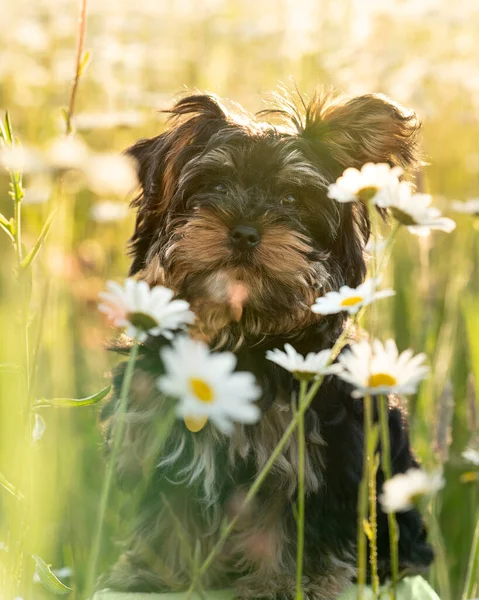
210, 461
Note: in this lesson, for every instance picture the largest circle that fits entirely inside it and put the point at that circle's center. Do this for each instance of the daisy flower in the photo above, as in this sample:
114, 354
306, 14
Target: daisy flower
413, 210
471, 455
350, 299
364, 184
108, 211
207, 386
110, 174
67, 153
303, 367
144, 311
380, 369
470, 207
400, 492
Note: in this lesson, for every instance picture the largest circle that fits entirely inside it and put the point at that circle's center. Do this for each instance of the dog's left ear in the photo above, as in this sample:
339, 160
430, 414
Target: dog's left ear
369, 128
349, 133
193, 121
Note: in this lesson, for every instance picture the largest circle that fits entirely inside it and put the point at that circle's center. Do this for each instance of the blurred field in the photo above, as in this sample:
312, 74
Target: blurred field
423, 54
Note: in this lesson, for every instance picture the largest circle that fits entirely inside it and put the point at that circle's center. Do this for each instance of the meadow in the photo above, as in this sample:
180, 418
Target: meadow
136, 58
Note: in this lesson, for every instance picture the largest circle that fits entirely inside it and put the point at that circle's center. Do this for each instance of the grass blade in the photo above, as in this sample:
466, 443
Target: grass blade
27, 261
6, 485
49, 579
69, 402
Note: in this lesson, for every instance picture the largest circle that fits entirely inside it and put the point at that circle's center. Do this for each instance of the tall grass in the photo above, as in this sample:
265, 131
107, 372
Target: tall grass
140, 56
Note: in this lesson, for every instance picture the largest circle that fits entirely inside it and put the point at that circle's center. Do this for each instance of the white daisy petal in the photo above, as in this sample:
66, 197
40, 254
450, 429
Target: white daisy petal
470, 207
206, 384
144, 311
350, 300
303, 367
413, 210
400, 491
471, 455
376, 368
365, 184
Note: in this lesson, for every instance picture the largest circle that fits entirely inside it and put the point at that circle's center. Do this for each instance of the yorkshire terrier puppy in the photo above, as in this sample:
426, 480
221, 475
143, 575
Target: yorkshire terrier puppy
234, 202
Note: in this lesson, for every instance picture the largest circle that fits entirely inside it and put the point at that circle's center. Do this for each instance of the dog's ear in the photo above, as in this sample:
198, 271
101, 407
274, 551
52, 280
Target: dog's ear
349, 133
193, 121
369, 128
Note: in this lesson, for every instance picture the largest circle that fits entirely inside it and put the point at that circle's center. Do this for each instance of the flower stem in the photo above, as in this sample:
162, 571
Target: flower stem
472, 566
387, 470
226, 532
382, 263
362, 518
17, 216
78, 66
373, 517
367, 490
118, 432
301, 493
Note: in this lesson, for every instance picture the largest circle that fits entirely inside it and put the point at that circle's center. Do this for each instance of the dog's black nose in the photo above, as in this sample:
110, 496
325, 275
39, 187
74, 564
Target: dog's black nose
245, 237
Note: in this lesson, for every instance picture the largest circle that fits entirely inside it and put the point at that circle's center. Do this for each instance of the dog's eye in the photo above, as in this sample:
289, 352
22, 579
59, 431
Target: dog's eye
220, 188
288, 199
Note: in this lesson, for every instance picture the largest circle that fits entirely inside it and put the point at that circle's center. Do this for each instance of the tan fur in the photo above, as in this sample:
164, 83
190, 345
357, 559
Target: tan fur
369, 128
202, 243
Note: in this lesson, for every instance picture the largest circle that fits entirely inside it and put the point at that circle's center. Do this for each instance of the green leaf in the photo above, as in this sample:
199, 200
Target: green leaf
67, 402
7, 231
49, 579
27, 261
84, 62
471, 319
4, 221
3, 133
64, 113
10, 487
7, 131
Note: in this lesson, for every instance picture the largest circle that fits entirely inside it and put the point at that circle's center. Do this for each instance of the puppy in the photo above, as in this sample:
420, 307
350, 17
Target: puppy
234, 202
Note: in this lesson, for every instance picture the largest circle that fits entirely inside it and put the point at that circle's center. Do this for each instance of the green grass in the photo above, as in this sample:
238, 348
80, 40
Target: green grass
239, 50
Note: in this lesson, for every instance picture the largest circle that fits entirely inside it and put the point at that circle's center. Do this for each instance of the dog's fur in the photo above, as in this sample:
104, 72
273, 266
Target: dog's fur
213, 169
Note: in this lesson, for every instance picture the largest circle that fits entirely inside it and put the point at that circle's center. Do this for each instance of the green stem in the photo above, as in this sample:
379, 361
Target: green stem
367, 490
301, 493
17, 216
78, 59
382, 264
387, 470
270, 462
110, 470
472, 567
22, 523
362, 518
373, 517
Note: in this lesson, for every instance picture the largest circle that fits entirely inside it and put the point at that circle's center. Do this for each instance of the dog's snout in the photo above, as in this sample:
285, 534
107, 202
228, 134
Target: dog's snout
245, 237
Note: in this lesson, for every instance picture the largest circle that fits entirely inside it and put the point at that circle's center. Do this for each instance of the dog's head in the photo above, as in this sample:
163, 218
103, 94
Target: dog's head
234, 215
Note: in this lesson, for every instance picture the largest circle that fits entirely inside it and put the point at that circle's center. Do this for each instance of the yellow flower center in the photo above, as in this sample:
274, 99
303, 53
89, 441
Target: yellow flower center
378, 379
202, 390
352, 301
195, 424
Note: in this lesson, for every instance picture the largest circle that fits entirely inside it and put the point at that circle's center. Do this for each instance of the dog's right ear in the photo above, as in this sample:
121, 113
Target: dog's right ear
193, 120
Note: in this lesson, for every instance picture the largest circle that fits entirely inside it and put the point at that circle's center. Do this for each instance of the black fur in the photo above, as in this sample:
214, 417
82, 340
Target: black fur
232, 168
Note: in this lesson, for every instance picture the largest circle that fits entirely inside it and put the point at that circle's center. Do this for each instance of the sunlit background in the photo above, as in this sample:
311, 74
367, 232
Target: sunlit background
422, 53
